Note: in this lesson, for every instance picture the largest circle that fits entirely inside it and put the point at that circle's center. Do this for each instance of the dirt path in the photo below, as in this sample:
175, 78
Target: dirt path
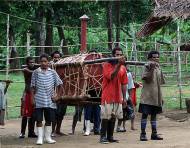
176, 135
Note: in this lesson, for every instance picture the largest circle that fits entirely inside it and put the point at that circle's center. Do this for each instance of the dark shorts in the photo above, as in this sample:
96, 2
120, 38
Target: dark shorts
48, 113
61, 111
149, 109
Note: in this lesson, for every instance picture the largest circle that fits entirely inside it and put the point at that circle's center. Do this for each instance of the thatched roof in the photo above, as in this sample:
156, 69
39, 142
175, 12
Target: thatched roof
152, 25
172, 8
164, 12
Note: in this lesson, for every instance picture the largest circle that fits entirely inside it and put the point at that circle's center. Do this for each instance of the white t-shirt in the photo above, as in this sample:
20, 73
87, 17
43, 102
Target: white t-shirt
130, 84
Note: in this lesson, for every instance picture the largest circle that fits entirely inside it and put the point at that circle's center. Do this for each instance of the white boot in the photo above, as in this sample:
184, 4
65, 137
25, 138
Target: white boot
40, 135
47, 135
87, 124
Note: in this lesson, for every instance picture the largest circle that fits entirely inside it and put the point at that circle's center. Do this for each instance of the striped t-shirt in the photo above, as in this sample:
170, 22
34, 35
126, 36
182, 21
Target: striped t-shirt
44, 83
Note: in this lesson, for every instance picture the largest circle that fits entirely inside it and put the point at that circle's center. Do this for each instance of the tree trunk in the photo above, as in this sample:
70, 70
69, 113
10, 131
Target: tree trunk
117, 8
109, 25
62, 38
40, 31
14, 63
49, 32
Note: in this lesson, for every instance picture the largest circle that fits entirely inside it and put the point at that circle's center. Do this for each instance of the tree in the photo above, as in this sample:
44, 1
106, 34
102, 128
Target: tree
117, 8
40, 30
49, 31
109, 24
14, 63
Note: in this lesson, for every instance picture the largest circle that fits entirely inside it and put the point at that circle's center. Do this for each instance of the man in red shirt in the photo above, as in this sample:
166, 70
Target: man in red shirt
113, 95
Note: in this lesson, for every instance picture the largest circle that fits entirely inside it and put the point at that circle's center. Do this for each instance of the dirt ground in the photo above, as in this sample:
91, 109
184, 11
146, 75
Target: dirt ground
174, 127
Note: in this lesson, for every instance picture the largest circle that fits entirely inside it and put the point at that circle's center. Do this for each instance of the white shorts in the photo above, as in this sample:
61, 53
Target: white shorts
111, 110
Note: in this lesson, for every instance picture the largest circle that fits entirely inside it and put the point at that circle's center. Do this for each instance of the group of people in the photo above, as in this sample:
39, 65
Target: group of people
42, 87
118, 99
116, 104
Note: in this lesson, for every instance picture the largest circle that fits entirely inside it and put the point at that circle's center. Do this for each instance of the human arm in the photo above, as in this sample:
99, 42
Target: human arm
58, 90
124, 89
33, 86
148, 72
7, 85
28, 71
32, 96
163, 81
121, 61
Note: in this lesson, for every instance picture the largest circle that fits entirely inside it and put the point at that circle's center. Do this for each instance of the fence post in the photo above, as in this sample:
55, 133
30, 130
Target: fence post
61, 45
179, 62
28, 43
7, 61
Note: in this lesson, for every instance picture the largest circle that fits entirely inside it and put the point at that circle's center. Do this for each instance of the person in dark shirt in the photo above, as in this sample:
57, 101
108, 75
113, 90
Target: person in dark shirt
27, 108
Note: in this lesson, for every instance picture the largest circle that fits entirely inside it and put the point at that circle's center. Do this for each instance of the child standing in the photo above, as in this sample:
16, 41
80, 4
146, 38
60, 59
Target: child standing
27, 108
44, 82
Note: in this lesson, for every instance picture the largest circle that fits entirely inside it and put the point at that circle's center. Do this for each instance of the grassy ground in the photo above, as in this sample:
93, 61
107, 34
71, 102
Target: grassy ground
171, 96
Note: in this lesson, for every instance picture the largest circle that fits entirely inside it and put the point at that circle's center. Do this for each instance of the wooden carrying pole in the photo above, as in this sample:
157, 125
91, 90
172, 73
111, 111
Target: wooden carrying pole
96, 61
112, 59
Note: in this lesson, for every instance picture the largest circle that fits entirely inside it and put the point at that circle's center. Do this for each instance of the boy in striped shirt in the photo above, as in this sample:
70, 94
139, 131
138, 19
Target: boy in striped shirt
44, 82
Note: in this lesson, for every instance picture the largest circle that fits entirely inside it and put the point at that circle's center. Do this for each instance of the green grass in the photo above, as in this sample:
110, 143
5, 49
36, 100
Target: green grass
14, 95
171, 96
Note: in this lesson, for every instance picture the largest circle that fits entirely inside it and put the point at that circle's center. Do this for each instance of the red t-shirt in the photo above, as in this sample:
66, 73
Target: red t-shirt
111, 89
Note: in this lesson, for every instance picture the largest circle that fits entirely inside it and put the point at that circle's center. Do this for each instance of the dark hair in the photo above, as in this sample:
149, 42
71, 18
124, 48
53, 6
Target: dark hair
44, 55
55, 52
151, 53
92, 50
115, 49
28, 59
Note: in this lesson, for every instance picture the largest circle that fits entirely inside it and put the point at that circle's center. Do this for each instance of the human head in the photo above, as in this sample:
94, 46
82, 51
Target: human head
93, 51
56, 56
117, 52
30, 62
153, 56
44, 61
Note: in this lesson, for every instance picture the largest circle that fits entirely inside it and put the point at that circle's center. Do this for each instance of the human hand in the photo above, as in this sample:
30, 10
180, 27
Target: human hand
55, 98
124, 103
22, 99
121, 60
33, 102
152, 65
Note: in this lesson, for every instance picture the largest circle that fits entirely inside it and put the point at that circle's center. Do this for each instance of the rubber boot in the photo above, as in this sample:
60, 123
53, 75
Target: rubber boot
87, 125
155, 136
47, 135
40, 136
143, 136
110, 130
104, 126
